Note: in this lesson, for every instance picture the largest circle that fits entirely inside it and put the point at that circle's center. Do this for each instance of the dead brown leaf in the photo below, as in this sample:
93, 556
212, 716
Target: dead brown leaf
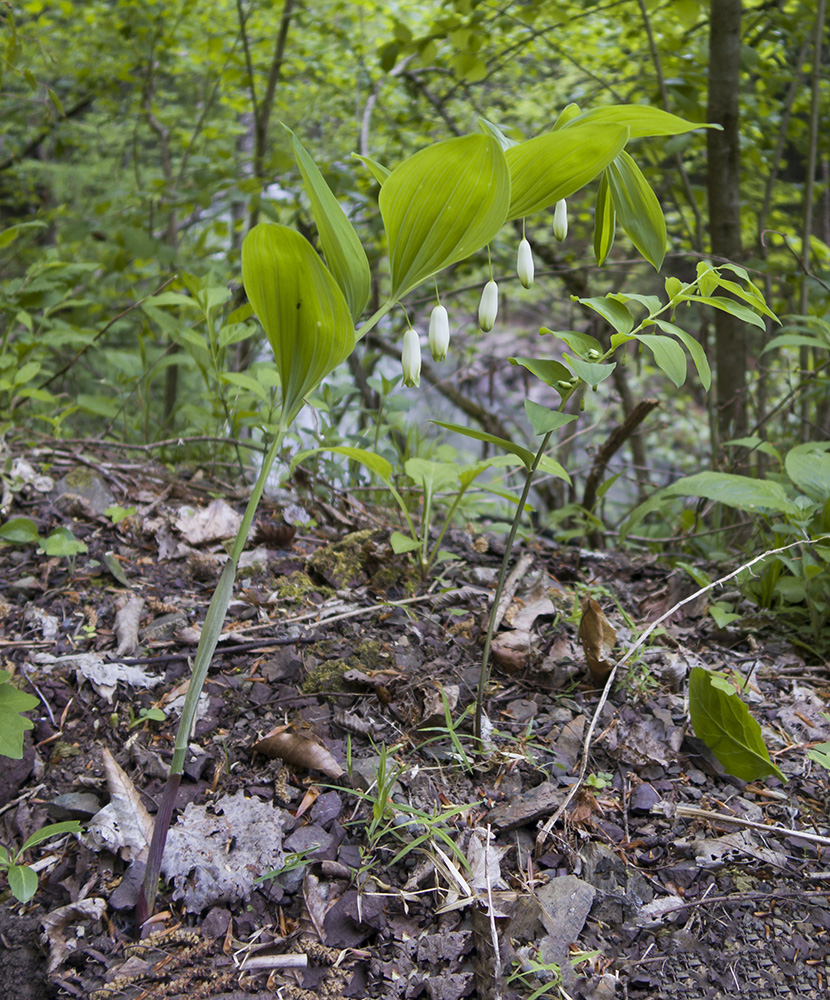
598, 637
298, 751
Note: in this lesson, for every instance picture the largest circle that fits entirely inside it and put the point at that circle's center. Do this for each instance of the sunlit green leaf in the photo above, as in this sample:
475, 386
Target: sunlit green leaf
22, 882
550, 372
441, 205
555, 165
593, 374
736, 309
301, 308
524, 454
605, 221
612, 310
641, 119
578, 341
19, 531
808, 466
638, 210
377, 170
342, 248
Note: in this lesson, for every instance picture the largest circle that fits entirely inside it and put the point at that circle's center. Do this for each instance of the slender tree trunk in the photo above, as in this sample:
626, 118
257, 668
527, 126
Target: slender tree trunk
724, 205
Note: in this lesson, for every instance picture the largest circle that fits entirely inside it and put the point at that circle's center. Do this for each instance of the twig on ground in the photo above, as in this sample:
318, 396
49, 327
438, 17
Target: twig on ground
691, 812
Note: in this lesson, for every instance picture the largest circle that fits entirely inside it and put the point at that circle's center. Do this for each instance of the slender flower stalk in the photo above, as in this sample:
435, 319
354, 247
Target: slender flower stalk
439, 333
560, 221
488, 307
524, 264
411, 358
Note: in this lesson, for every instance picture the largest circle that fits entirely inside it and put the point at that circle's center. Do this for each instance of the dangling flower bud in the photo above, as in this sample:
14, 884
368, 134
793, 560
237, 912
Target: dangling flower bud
411, 358
524, 264
439, 333
488, 308
560, 220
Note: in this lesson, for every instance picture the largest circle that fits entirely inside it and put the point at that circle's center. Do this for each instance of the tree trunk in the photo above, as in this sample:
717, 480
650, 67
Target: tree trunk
724, 205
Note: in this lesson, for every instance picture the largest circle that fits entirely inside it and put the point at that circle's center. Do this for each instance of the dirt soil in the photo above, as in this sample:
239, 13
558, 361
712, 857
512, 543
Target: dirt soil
364, 850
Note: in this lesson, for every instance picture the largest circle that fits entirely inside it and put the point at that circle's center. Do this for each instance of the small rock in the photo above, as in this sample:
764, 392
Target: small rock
642, 798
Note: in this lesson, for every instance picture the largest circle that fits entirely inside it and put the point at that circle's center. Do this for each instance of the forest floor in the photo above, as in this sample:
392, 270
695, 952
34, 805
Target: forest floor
397, 863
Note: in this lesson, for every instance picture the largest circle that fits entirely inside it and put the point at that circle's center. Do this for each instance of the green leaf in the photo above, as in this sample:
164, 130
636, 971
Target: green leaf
557, 164
638, 210
724, 724
605, 221
431, 476
442, 205
524, 454
742, 312
342, 248
503, 140
19, 531
22, 882
821, 754
582, 343
12, 724
694, 348
612, 310
61, 542
377, 170
374, 463
548, 371
808, 466
593, 374
668, 356
301, 308
641, 120
51, 830
401, 543
734, 491
244, 381
542, 419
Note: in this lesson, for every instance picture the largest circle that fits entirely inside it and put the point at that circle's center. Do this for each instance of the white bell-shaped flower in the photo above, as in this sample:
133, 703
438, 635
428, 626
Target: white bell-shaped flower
439, 333
488, 308
524, 264
411, 358
560, 220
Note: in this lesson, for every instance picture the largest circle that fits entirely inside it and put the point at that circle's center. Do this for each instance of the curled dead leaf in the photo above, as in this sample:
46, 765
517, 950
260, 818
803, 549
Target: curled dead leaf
597, 636
298, 751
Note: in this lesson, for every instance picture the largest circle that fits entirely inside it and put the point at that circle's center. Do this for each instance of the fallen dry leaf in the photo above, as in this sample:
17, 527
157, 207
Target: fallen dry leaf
298, 751
598, 637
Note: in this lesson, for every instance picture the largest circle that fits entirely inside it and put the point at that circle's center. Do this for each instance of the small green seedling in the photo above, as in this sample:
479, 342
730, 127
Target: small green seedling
23, 880
12, 724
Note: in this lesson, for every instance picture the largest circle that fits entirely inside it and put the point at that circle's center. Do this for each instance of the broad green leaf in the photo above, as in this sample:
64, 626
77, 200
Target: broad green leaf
9, 235
301, 308
22, 882
605, 221
733, 491
553, 468
808, 466
342, 248
542, 419
593, 374
432, 476
401, 543
555, 165
568, 114
374, 463
724, 724
12, 724
641, 120
503, 140
668, 356
5, 857
612, 310
19, 531
524, 454
820, 754
580, 342
651, 303
441, 205
244, 381
377, 170
550, 372
61, 542
751, 295
736, 309
638, 210
794, 340
694, 348
51, 830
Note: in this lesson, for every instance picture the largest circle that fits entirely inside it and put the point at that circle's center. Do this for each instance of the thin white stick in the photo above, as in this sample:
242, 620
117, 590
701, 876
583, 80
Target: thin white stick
715, 817
540, 838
